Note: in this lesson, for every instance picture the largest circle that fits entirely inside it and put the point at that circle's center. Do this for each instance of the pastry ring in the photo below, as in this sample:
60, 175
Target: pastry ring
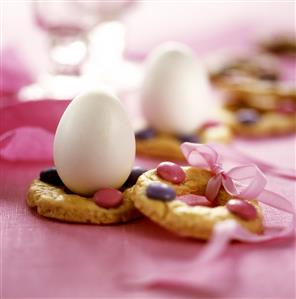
53, 200
167, 146
259, 110
162, 201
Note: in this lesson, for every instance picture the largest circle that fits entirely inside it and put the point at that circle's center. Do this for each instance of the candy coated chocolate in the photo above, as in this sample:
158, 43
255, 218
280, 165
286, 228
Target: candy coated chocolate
242, 209
133, 177
268, 76
195, 200
160, 191
188, 138
248, 116
108, 198
287, 107
145, 134
210, 124
171, 172
50, 176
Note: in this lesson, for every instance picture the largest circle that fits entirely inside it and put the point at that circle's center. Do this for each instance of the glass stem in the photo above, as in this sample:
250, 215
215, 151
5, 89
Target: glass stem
67, 54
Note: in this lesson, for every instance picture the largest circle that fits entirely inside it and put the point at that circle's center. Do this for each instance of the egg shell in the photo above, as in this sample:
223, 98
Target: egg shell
94, 145
176, 95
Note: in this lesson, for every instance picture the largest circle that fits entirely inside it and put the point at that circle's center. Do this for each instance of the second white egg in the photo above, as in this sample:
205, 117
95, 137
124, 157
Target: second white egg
175, 97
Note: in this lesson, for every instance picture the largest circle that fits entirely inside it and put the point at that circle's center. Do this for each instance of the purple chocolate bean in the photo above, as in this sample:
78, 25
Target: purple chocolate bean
145, 134
188, 138
247, 116
50, 176
133, 177
160, 191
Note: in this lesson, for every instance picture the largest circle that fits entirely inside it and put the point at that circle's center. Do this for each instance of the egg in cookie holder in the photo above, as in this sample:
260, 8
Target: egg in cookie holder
53, 199
176, 104
94, 151
193, 201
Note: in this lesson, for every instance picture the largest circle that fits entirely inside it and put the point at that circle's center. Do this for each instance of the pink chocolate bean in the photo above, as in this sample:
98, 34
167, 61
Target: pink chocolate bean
108, 198
210, 124
287, 107
195, 200
242, 209
171, 172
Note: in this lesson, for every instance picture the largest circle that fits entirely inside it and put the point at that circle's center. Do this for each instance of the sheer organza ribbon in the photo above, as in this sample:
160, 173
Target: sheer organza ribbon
233, 153
243, 182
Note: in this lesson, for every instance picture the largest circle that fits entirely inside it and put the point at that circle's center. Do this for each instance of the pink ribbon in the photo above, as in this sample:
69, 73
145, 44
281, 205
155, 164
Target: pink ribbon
232, 153
243, 182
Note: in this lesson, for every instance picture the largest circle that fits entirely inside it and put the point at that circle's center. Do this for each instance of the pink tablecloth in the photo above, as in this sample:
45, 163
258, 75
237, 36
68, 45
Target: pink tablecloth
42, 258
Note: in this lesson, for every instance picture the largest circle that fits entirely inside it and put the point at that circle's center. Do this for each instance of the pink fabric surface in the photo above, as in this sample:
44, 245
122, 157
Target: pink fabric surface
43, 258
14, 72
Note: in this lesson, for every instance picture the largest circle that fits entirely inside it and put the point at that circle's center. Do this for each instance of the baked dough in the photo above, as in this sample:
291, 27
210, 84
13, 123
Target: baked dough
177, 216
54, 202
167, 146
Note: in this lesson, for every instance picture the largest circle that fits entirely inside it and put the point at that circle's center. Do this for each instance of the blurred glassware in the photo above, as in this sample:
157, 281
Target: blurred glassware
108, 10
67, 24
107, 43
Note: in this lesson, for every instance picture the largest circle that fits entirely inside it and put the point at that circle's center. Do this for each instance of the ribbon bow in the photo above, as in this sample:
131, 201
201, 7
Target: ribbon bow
243, 182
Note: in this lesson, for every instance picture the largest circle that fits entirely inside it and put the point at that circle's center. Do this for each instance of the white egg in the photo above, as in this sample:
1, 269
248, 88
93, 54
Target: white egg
176, 95
94, 145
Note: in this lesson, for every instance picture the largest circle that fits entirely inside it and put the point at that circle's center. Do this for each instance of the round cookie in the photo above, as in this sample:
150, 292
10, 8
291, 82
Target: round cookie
167, 146
190, 221
281, 45
259, 95
54, 202
269, 124
246, 69
271, 109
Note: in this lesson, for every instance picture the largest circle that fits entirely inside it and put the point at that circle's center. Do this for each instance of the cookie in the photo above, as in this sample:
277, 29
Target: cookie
55, 202
281, 45
167, 146
177, 216
260, 110
259, 95
248, 69
258, 124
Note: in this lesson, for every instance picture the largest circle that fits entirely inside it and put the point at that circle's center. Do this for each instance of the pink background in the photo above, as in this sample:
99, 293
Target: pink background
201, 24
42, 258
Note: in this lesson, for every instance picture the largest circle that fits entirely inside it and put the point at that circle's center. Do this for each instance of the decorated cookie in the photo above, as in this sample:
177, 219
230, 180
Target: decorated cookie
106, 206
94, 151
260, 109
191, 200
176, 103
281, 45
245, 70
150, 142
255, 100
